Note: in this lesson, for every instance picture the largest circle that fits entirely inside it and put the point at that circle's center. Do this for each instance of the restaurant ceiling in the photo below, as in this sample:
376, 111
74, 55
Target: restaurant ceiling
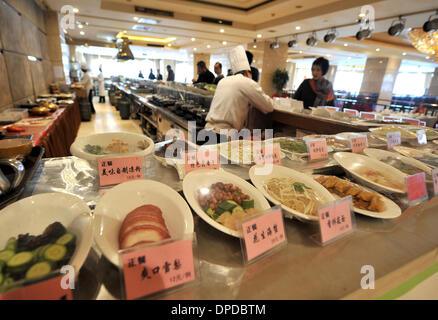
269, 19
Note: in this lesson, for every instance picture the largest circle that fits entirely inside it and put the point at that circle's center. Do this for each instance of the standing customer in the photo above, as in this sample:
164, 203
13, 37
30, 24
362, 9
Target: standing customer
86, 82
170, 73
317, 91
204, 75
151, 75
101, 80
218, 71
159, 75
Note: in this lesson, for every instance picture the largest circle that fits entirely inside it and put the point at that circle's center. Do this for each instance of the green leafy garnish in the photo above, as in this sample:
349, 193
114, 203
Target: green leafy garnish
299, 187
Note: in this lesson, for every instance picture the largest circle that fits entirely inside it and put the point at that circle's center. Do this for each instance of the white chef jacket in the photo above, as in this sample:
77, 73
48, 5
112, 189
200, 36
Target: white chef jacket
101, 85
232, 101
86, 82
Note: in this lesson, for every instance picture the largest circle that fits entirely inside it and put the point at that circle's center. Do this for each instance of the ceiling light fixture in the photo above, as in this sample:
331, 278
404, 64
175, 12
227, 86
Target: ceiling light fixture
293, 43
82, 33
397, 26
259, 35
31, 58
169, 45
297, 28
222, 30
363, 34
330, 36
431, 25
136, 18
194, 49
378, 49
224, 43
80, 26
208, 46
345, 44
404, 53
75, 10
274, 45
312, 40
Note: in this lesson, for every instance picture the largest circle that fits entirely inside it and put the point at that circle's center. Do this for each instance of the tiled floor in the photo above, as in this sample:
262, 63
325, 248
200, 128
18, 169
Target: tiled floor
107, 119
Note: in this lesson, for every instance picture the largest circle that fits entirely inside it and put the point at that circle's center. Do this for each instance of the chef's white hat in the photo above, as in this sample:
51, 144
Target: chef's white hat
84, 66
239, 61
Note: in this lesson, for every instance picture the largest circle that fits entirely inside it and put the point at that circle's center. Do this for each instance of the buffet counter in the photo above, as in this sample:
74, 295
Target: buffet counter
55, 132
397, 249
314, 124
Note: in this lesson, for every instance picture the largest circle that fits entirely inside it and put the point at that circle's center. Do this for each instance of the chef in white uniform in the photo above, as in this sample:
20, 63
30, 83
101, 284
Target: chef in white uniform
235, 95
86, 82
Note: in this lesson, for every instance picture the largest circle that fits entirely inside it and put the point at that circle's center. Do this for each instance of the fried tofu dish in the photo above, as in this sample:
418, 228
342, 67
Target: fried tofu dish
362, 199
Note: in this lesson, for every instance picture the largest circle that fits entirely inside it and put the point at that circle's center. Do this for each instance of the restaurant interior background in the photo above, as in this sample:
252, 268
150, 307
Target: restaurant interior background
385, 69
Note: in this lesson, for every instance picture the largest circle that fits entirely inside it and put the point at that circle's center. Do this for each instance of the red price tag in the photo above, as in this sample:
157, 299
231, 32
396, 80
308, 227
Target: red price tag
435, 181
335, 219
332, 108
394, 139
267, 154
45, 290
208, 159
368, 115
351, 111
388, 118
410, 121
317, 149
118, 170
422, 123
158, 268
417, 190
263, 233
358, 143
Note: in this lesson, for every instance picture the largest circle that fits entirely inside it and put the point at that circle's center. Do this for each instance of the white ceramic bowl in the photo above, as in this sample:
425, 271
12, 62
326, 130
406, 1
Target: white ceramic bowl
284, 172
116, 203
353, 162
204, 178
33, 214
104, 139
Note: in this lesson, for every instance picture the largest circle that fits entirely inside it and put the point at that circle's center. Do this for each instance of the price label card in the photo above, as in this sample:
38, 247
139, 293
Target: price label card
50, 289
368, 115
359, 143
351, 111
422, 123
417, 190
157, 268
435, 181
414, 122
421, 136
208, 159
118, 170
394, 139
262, 234
317, 149
335, 220
332, 108
389, 118
267, 153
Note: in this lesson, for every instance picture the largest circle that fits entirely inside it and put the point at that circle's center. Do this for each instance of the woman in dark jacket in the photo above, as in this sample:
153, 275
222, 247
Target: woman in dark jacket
317, 91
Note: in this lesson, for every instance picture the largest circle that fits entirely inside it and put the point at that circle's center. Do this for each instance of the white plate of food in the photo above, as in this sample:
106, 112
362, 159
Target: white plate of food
112, 144
431, 134
241, 151
222, 199
373, 142
406, 165
297, 193
333, 142
365, 201
55, 219
429, 158
382, 132
139, 212
172, 153
372, 173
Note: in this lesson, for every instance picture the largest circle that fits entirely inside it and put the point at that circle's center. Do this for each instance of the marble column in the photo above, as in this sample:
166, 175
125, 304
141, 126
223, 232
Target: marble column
273, 59
379, 78
54, 39
433, 88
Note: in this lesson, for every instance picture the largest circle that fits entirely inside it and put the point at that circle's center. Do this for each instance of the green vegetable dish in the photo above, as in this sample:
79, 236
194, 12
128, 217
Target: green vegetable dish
31, 257
294, 146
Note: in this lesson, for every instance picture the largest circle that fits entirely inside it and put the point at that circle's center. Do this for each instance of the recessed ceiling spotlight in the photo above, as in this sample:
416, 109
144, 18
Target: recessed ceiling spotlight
224, 43
136, 18
194, 49
80, 26
298, 28
75, 10
345, 44
124, 31
109, 39
82, 33
193, 39
404, 53
378, 49
208, 46
427, 57
254, 46
301, 52
259, 35
222, 30
169, 45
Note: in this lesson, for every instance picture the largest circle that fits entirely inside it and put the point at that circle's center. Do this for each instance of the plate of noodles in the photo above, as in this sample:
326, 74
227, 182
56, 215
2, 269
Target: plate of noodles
298, 194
